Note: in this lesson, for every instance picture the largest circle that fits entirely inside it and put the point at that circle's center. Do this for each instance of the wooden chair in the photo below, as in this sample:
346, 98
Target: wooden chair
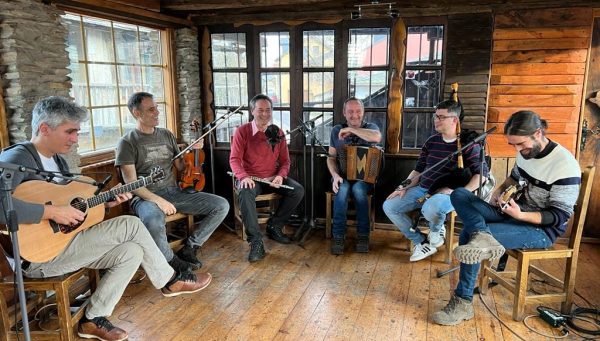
570, 252
65, 289
264, 213
329, 196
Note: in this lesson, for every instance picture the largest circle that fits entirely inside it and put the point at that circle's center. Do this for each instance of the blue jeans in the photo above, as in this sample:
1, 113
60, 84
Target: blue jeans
359, 190
477, 215
434, 210
213, 207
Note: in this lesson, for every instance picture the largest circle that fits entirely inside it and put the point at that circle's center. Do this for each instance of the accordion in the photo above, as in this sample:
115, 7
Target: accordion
360, 162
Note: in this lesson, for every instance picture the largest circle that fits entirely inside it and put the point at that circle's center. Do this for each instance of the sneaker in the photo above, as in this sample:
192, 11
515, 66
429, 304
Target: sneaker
362, 244
337, 245
436, 239
457, 310
100, 328
277, 234
180, 265
186, 283
189, 255
481, 246
257, 251
422, 251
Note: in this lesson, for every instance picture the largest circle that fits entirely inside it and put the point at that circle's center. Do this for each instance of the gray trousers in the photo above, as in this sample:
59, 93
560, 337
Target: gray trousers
213, 207
118, 245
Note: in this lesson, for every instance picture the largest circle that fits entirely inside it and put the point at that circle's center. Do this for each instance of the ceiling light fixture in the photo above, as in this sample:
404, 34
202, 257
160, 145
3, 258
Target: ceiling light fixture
392, 12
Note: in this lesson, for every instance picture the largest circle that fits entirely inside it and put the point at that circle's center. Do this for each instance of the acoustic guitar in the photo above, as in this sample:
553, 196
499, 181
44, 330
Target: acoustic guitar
45, 240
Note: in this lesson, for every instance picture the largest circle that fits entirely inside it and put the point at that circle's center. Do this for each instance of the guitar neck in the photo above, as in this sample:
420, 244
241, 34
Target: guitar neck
107, 196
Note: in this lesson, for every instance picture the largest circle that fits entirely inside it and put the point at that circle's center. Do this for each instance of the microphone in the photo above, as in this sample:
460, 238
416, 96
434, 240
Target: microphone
273, 137
483, 136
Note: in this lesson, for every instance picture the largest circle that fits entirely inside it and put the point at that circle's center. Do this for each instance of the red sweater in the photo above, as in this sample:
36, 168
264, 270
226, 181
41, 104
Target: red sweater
251, 154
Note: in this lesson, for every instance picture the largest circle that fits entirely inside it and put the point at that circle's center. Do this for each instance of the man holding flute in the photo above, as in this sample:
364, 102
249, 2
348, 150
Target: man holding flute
259, 149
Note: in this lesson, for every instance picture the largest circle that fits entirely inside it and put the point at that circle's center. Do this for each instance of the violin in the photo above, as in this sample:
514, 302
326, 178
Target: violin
192, 178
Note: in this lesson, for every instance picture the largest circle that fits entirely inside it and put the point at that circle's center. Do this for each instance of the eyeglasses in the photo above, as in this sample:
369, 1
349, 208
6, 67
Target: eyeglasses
440, 117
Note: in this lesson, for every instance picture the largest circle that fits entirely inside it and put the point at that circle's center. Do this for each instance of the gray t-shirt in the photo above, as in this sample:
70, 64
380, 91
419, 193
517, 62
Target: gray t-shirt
146, 151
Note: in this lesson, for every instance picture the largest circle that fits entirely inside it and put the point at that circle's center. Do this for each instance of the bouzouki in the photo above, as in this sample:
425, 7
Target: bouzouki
45, 240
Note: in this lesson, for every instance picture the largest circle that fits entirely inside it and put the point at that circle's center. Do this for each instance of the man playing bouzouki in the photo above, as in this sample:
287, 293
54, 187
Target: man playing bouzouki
534, 220
119, 245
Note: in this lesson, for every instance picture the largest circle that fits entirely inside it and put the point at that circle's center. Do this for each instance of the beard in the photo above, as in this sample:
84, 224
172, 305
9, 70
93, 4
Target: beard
533, 152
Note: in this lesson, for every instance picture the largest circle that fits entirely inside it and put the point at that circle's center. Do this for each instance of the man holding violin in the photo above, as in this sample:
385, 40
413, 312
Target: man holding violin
259, 149
406, 199
145, 147
534, 220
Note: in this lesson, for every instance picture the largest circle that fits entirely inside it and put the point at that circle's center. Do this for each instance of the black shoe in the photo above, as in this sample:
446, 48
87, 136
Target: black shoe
337, 246
189, 255
362, 244
180, 265
257, 251
277, 234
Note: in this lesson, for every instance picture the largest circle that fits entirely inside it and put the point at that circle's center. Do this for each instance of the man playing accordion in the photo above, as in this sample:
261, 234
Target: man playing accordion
356, 132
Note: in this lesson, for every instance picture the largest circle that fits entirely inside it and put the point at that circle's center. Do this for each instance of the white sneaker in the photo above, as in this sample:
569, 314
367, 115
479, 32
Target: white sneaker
436, 239
422, 251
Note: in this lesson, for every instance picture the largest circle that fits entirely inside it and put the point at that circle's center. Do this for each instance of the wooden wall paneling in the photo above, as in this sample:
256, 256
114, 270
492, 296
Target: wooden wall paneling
4, 138
554, 17
553, 114
395, 104
468, 63
539, 63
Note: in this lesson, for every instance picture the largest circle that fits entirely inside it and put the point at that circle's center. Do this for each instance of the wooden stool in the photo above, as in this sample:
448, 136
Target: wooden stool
329, 196
264, 213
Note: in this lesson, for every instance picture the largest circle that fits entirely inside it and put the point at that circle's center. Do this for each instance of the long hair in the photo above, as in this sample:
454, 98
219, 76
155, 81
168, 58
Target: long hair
524, 123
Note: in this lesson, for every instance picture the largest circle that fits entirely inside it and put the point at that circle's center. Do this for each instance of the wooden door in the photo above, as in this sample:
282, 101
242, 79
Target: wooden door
590, 132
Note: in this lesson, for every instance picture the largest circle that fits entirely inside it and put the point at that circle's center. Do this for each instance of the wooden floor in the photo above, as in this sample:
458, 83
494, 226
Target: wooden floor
300, 293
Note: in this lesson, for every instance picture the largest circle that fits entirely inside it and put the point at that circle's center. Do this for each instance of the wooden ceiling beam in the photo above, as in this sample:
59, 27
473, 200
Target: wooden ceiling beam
219, 4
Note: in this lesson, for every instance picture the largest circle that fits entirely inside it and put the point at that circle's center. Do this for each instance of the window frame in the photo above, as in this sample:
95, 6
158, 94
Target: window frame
167, 43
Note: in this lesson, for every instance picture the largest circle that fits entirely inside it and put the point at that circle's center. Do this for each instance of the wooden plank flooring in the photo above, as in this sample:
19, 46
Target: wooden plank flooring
307, 294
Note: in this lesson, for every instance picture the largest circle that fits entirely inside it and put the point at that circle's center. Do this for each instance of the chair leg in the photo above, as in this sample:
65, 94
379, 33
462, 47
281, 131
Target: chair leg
4, 324
569, 283
483, 277
190, 224
328, 199
371, 214
450, 237
521, 287
64, 312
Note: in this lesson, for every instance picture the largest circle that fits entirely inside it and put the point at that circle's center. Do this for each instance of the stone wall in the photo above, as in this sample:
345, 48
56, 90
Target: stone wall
188, 78
33, 62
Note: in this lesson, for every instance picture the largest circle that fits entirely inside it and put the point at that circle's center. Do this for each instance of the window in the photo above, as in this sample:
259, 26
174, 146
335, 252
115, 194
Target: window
299, 68
230, 81
109, 61
318, 79
422, 83
368, 63
275, 75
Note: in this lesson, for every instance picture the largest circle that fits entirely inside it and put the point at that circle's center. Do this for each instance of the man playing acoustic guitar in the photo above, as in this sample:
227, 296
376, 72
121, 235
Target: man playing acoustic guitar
534, 220
119, 245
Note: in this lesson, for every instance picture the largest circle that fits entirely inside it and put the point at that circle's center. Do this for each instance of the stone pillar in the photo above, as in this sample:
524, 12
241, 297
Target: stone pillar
188, 78
33, 62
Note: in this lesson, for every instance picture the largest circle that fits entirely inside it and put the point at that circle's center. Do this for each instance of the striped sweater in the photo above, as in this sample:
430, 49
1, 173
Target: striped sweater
436, 149
553, 181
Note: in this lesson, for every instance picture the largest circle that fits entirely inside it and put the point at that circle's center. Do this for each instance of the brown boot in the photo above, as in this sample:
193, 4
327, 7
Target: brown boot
100, 328
186, 283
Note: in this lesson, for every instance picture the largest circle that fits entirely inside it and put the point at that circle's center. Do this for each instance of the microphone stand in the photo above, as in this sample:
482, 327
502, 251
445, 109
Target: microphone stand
7, 172
481, 141
211, 141
308, 225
